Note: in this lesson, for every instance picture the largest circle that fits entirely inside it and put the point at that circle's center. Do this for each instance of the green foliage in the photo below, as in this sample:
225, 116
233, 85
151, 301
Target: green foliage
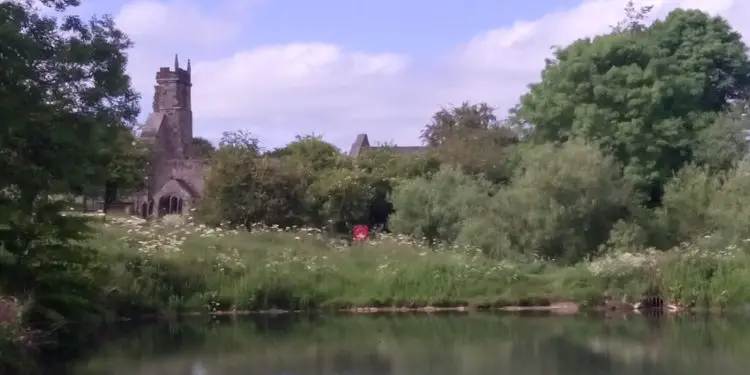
202, 148
644, 96
64, 98
648, 113
308, 182
730, 207
436, 207
311, 153
684, 213
482, 152
165, 267
451, 122
723, 143
561, 205
633, 20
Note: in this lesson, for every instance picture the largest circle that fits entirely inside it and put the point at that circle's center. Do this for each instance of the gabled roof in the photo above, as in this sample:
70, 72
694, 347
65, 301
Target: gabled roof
409, 149
360, 143
153, 123
178, 186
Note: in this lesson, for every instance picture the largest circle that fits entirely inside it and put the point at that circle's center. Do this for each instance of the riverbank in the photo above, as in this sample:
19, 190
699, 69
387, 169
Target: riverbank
176, 266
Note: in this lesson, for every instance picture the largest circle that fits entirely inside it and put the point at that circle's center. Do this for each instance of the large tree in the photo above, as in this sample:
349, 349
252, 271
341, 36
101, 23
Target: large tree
645, 94
470, 136
457, 122
63, 95
202, 148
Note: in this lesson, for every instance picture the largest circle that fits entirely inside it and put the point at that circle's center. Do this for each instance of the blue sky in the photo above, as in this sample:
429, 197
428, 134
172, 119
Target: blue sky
278, 68
420, 28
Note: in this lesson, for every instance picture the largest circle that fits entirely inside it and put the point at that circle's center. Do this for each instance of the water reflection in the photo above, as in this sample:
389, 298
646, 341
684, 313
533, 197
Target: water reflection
430, 345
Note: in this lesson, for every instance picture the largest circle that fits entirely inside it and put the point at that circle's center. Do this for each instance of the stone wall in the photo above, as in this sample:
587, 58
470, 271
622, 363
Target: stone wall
189, 170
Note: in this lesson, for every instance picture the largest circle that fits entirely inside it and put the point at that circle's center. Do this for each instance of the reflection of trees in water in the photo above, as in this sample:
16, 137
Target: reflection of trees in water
432, 347
370, 363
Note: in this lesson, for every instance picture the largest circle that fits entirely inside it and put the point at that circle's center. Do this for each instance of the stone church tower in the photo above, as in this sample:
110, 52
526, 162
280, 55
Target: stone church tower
175, 181
172, 102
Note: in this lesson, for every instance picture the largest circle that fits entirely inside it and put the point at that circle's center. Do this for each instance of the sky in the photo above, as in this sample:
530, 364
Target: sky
337, 68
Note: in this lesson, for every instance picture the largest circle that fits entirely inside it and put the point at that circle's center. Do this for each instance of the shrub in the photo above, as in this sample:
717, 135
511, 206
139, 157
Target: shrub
561, 205
436, 207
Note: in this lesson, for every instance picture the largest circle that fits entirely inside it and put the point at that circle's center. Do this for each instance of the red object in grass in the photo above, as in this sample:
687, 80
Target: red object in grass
360, 232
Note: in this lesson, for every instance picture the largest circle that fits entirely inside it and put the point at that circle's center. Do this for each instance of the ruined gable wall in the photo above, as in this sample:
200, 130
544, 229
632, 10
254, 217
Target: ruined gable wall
191, 171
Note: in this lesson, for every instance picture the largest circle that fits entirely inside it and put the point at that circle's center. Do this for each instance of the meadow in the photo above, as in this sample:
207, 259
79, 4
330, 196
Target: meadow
176, 265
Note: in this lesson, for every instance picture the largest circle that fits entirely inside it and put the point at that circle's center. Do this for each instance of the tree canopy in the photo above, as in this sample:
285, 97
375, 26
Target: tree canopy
646, 95
67, 110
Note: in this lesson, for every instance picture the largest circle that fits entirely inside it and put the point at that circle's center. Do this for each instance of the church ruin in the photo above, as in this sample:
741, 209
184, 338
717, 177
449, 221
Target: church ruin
175, 181
362, 143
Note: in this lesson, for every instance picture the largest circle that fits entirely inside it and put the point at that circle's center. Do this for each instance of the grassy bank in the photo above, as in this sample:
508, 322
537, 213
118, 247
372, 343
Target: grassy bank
175, 265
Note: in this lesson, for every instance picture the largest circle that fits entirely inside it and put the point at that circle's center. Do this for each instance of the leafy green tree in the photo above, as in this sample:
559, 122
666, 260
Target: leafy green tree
684, 214
63, 92
386, 169
311, 153
470, 136
456, 121
435, 208
202, 148
126, 165
228, 179
347, 194
723, 143
244, 187
481, 152
729, 211
561, 205
645, 96
634, 18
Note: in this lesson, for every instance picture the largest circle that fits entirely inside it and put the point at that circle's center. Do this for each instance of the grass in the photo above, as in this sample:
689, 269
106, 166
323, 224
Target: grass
176, 265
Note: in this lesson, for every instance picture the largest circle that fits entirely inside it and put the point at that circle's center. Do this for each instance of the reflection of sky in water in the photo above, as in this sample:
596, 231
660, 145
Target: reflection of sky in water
198, 369
463, 345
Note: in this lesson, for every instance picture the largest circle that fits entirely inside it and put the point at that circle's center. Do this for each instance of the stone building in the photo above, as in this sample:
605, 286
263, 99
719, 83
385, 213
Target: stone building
362, 143
175, 181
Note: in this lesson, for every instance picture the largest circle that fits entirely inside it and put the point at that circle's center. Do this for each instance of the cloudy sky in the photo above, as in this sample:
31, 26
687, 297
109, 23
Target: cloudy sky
336, 68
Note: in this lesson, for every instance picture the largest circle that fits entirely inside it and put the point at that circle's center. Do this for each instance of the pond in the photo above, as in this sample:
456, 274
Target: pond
428, 345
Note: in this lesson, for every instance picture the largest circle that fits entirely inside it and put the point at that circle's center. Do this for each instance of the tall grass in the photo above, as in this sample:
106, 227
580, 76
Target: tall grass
176, 265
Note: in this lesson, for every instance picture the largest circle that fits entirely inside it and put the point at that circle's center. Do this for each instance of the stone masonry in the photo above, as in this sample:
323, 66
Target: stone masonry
175, 181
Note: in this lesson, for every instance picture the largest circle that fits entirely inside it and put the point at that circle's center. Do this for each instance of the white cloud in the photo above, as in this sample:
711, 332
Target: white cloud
293, 78
497, 65
282, 90
153, 22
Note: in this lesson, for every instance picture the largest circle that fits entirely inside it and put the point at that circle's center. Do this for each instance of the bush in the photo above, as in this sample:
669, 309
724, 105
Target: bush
561, 205
436, 207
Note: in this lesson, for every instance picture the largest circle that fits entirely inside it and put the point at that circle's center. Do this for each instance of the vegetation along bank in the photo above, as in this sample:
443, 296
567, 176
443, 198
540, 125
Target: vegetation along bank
622, 173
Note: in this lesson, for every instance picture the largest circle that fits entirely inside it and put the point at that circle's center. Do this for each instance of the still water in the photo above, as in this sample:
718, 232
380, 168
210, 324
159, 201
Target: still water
429, 345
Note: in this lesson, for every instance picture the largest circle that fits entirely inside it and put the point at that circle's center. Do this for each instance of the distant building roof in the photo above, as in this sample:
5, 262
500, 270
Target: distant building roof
362, 142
